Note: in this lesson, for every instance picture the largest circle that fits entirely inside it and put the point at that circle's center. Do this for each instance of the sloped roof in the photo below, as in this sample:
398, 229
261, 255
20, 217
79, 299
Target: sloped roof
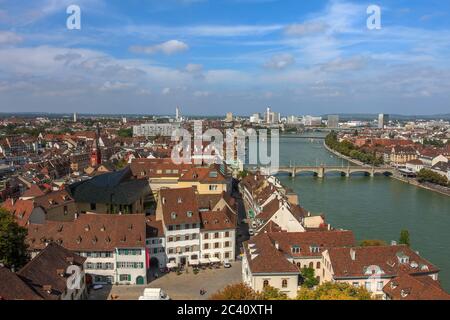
12, 287
91, 232
407, 287
42, 270
385, 257
113, 187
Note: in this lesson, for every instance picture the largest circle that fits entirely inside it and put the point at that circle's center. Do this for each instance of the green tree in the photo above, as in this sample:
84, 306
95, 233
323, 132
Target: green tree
242, 174
372, 243
309, 278
125, 133
271, 293
334, 291
426, 175
404, 238
239, 291
13, 249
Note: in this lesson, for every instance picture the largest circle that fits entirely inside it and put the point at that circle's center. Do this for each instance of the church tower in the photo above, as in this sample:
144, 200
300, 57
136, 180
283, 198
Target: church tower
96, 156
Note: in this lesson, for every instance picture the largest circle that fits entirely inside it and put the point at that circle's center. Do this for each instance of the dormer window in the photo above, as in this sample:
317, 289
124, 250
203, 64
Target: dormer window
173, 215
180, 200
213, 174
404, 293
315, 249
87, 228
295, 249
189, 214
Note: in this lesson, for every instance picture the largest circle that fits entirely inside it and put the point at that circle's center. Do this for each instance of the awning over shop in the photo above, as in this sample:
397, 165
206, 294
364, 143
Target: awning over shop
171, 265
204, 261
214, 260
194, 262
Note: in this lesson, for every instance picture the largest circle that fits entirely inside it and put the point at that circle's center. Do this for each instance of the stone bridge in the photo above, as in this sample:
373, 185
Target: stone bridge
321, 171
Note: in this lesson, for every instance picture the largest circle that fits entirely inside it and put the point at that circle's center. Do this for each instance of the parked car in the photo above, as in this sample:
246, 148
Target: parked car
154, 294
226, 264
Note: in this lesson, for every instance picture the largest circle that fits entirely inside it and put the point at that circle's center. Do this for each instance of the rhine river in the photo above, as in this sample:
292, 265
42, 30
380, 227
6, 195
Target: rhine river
373, 208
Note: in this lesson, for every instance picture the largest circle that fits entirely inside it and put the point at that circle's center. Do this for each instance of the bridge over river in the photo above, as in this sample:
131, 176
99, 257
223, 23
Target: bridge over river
321, 171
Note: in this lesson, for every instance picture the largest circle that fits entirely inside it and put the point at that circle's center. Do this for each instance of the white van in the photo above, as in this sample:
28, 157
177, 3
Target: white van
154, 294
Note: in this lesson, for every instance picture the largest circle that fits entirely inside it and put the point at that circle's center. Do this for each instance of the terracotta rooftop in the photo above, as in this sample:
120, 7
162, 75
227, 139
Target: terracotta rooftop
388, 258
91, 232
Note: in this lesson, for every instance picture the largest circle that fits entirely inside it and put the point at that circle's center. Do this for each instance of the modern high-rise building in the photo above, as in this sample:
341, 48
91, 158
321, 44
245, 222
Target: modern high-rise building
254, 118
74, 117
333, 121
271, 117
383, 120
177, 115
311, 121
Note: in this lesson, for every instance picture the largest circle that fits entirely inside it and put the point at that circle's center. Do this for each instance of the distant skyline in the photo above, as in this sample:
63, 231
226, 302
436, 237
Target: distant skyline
213, 56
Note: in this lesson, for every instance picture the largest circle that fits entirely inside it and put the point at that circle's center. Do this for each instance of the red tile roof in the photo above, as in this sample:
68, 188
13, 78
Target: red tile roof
43, 270
179, 206
407, 287
263, 257
385, 257
91, 232
306, 241
21, 209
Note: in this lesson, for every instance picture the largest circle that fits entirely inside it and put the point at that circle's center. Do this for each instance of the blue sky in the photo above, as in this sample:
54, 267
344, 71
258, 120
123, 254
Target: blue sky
214, 56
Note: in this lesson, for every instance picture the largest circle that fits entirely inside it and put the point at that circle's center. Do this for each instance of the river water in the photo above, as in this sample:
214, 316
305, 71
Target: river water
373, 208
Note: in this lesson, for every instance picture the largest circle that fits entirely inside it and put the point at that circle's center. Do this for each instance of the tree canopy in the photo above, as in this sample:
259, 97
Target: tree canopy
13, 249
372, 243
309, 278
426, 175
348, 149
334, 291
241, 291
404, 238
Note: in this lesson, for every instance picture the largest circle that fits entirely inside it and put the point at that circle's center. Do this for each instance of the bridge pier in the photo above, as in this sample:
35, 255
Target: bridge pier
321, 172
292, 173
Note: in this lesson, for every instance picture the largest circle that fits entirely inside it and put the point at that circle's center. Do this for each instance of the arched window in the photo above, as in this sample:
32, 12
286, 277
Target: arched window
318, 265
284, 283
265, 283
311, 265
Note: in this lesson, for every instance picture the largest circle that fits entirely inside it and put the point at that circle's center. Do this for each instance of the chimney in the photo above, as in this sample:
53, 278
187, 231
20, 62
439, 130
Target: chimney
277, 245
353, 254
393, 243
47, 288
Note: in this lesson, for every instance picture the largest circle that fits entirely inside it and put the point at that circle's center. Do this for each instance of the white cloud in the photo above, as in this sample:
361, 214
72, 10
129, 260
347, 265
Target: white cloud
193, 68
165, 91
306, 28
114, 86
9, 38
201, 94
280, 61
168, 47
